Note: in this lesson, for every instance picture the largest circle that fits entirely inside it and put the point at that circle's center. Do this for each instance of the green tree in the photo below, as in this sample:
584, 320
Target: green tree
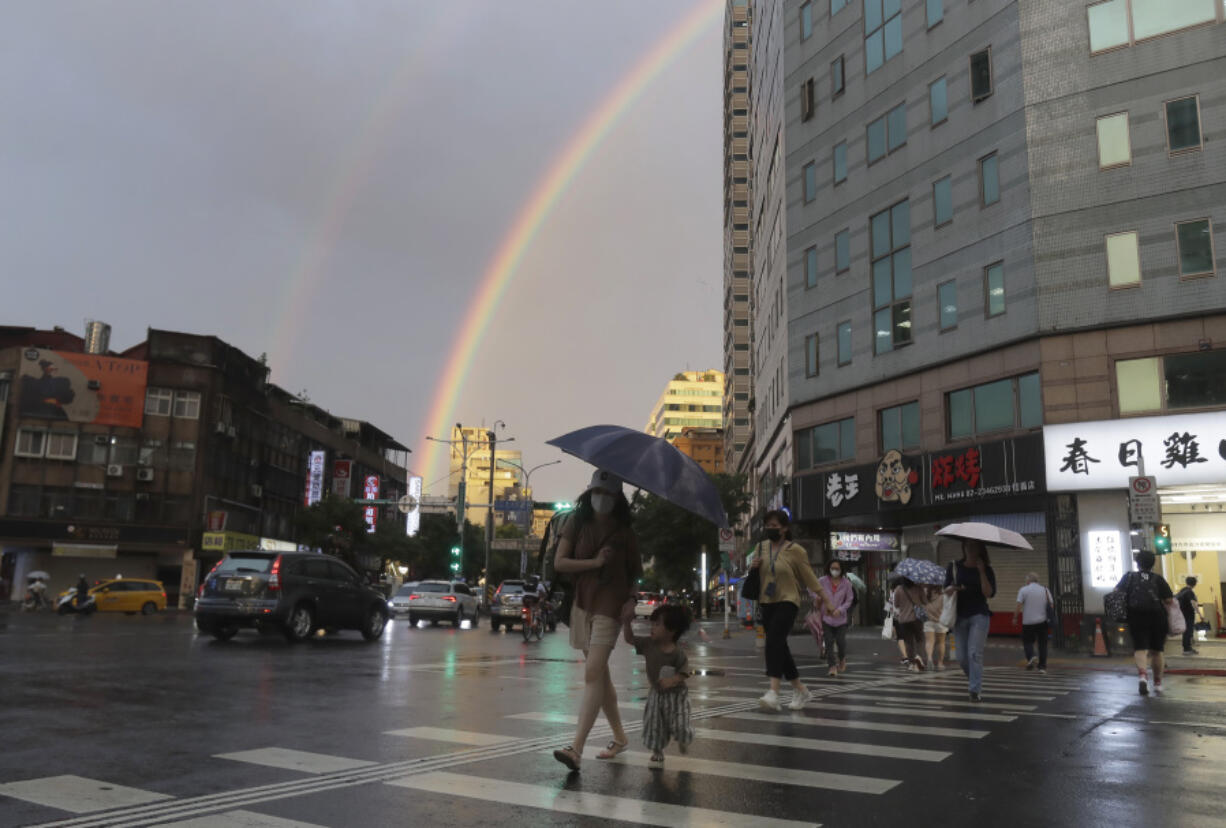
509, 531
334, 524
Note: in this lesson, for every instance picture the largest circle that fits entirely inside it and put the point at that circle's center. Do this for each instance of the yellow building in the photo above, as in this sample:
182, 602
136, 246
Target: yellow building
692, 398
470, 460
703, 445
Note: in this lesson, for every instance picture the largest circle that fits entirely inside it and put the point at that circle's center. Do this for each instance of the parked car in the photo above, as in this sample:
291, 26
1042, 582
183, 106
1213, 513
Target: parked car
294, 592
130, 595
646, 603
507, 604
435, 601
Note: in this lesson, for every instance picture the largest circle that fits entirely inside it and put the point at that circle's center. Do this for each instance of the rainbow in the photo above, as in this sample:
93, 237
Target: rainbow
534, 212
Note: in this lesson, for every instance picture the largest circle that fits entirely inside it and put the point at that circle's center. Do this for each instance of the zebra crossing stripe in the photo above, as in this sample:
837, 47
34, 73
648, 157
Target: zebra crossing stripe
923, 690
77, 794
459, 737
825, 745
858, 724
907, 711
758, 773
296, 760
239, 819
582, 803
937, 702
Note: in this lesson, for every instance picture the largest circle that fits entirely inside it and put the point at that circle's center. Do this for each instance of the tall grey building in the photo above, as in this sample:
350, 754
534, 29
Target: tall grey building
1004, 287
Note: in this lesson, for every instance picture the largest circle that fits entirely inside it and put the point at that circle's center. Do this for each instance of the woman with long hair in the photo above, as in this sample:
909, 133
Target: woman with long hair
600, 552
835, 620
974, 582
783, 570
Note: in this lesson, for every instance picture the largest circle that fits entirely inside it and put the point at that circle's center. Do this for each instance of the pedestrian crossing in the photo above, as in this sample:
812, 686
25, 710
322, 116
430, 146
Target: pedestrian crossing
863, 735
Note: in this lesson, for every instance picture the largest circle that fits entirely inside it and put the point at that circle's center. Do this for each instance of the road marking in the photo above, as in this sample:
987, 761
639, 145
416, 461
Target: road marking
553, 717
460, 737
78, 794
239, 819
1014, 684
907, 711
924, 690
1045, 715
296, 760
856, 724
826, 745
581, 803
757, 773
937, 702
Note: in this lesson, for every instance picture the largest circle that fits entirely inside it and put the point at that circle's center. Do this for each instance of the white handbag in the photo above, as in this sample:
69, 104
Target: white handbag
949, 611
887, 629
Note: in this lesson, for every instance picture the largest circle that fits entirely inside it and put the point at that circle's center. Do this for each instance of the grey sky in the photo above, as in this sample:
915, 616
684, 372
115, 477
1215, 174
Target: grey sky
327, 182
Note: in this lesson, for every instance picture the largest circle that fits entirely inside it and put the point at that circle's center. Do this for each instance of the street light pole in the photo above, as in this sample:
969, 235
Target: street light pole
527, 473
492, 434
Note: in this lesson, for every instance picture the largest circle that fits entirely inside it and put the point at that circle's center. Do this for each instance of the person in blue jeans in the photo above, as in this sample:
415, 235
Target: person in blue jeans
974, 582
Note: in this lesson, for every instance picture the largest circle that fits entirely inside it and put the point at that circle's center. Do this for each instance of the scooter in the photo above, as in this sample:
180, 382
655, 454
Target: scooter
68, 606
35, 599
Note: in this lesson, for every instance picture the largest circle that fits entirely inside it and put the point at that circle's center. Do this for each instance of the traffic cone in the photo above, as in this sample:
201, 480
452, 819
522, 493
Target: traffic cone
760, 637
1100, 644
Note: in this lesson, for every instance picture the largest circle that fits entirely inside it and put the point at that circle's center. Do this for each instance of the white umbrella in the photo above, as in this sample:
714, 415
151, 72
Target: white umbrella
38, 574
987, 533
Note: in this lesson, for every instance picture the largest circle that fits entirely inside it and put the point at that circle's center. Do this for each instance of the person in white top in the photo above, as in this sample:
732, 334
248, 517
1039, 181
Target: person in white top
1032, 603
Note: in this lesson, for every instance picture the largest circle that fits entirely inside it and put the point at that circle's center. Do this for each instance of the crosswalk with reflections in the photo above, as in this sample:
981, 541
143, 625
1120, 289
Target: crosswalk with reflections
863, 735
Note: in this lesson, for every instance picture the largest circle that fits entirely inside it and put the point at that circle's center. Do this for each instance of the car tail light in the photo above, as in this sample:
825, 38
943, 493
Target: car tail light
450, 598
414, 597
274, 577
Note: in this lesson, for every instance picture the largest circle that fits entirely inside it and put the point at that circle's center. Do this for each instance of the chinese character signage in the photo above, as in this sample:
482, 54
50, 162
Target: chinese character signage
867, 541
315, 478
370, 491
1106, 559
413, 517
1178, 450
82, 388
342, 474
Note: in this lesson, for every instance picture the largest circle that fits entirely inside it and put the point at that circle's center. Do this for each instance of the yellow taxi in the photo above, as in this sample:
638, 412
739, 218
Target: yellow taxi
130, 595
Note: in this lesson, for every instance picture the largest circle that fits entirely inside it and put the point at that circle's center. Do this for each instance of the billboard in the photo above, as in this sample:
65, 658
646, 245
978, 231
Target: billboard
315, 478
413, 516
371, 492
82, 388
342, 473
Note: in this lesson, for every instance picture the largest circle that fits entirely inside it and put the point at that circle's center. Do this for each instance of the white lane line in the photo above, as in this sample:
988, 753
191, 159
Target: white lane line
758, 773
555, 717
825, 745
296, 760
581, 803
459, 737
907, 711
995, 681
238, 819
913, 690
1044, 715
936, 702
856, 724
78, 794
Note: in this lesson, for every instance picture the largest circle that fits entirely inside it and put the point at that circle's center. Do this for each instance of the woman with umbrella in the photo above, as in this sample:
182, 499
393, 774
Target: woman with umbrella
600, 551
973, 581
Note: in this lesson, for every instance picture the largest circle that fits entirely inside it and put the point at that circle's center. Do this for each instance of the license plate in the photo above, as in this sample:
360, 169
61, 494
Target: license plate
234, 585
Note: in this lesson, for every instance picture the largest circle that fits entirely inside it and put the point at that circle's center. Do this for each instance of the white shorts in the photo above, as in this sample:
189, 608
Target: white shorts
588, 630
935, 627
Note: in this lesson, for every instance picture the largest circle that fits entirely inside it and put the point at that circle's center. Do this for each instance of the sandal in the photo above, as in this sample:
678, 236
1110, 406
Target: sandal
612, 749
656, 760
568, 756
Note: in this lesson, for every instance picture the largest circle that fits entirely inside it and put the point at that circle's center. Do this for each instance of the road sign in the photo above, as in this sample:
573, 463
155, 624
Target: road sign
407, 504
727, 541
1143, 503
512, 505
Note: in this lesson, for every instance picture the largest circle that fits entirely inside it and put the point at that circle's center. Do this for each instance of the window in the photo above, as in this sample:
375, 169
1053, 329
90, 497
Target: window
1172, 382
994, 289
936, 12
995, 406
806, 21
811, 267
989, 181
30, 442
840, 162
887, 133
943, 201
187, 405
1123, 260
981, 75
1195, 242
1183, 125
1150, 18
899, 427
158, 401
947, 298
836, 77
836, 6
938, 108
811, 355
1108, 25
882, 32
806, 100
842, 251
890, 232
61, 445
810, 183
844, 332
1114, 147
823, 444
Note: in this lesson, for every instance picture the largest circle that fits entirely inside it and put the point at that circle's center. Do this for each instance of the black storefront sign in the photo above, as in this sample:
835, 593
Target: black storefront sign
898, 482
58, 530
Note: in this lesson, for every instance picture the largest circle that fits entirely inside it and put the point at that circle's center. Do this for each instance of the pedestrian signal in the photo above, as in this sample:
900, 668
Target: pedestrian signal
1162, 539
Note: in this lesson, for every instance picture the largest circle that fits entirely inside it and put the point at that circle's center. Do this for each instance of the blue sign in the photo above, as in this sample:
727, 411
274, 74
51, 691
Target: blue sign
513, 505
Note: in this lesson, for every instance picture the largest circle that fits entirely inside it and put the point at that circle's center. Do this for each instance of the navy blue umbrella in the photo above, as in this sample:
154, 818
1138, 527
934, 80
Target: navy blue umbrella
648, 463
920, 571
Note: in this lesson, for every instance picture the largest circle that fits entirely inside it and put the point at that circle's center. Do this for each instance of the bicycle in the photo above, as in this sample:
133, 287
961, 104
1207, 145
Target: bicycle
533, 620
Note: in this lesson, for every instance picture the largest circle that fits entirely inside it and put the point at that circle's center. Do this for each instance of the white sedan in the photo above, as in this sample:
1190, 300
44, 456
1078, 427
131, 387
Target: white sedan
434, 601
646, 603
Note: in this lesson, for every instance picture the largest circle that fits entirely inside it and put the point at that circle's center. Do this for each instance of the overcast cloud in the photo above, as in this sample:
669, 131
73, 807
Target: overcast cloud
327, 182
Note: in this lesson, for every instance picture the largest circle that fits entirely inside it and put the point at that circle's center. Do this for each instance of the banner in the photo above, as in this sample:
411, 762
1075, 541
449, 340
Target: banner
315, 478
82, 388
342, 474
413, 518
370, 510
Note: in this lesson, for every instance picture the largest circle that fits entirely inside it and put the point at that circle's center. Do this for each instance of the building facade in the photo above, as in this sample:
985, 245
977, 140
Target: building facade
470, 461
1004, 221
691, 398
155, 461
705, 446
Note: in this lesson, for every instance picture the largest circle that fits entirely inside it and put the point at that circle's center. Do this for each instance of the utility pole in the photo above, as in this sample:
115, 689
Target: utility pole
492, 435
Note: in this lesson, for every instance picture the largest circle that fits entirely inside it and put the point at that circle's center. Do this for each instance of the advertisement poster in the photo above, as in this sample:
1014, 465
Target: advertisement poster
371, 492
315, 478
82, 388
342, 474
413, 516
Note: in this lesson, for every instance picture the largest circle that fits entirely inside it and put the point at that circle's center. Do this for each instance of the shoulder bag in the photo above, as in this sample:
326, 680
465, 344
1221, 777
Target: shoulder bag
887, 629
949, 611
1115, 604
751, 587
1175, 622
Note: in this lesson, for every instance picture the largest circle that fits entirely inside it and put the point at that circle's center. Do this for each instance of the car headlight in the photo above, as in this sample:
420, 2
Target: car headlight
391, 605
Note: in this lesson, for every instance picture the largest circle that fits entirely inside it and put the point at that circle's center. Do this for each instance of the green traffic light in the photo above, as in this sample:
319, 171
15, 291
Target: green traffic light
455, 550
563, 506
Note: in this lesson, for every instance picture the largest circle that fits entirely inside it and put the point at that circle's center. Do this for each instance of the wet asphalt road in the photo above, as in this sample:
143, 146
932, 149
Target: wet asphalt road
138, 721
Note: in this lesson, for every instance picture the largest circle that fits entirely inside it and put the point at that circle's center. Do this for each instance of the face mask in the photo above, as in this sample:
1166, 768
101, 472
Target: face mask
834, 573
602, 504
774, 534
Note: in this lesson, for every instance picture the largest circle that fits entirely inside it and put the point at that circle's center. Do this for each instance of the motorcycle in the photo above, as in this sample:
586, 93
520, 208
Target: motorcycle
68, 606
35, 598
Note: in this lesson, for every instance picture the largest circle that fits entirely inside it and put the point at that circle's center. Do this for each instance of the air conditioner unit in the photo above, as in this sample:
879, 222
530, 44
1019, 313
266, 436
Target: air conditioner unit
114, 470
231, 432
220, 428
145, 475
257, 490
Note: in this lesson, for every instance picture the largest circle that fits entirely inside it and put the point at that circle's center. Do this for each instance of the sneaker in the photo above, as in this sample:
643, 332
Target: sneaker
1143, 687
919, 664
975, 697
1034, 662
1157, 688
1042, 671
842, 666
1191, 652
904, 663
770, 701
833, 672
799, 700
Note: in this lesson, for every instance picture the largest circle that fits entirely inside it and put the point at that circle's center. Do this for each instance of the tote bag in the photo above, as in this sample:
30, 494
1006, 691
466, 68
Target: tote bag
1176, 623
887, 629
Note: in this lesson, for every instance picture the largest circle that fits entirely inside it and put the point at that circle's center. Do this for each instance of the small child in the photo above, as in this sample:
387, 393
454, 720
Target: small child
667, 714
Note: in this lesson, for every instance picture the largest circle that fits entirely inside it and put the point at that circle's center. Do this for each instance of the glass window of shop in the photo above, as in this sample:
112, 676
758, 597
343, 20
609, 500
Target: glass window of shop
1172, 383
995, 406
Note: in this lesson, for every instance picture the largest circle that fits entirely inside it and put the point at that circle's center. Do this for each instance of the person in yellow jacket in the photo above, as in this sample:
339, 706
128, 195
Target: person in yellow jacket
783, 570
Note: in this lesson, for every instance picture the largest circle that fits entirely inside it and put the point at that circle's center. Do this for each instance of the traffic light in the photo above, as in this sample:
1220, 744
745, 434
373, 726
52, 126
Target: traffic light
456, 552
563, 506
1162, 539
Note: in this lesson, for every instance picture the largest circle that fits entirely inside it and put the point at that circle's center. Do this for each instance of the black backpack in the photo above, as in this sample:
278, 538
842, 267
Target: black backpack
1142, 594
